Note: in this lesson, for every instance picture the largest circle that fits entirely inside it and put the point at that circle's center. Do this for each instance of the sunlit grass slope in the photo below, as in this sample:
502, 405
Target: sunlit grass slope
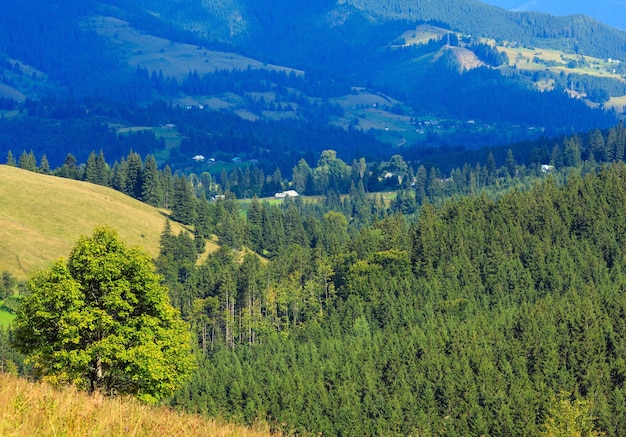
42, 217
33, 409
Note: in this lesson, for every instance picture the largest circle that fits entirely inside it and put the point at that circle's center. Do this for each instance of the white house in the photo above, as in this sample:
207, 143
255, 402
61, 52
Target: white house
288, 193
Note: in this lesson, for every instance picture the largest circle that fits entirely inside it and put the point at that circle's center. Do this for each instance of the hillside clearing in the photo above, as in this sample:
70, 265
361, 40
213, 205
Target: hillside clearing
5, 316
172, 58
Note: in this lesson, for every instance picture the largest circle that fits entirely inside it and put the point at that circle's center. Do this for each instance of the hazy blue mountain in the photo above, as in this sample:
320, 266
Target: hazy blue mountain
611, 12
282, 59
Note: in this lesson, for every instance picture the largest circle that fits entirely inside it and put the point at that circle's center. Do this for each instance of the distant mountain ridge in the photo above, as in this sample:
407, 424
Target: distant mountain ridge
493, 66
611, 12
274, 31
246, 22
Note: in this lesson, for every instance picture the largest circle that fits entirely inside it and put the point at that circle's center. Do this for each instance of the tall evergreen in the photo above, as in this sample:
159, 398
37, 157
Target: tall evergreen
10, 159
27, 161
255, 225
96, 169
151, 189
44, 165
134, 169
70, 168
183, 201
510, 163
120, 171
167, 184
491, 168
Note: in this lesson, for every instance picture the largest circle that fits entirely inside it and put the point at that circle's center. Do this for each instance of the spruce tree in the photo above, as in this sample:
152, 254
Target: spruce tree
134, 168
44, 165
27, 161
91, 173
10, 159
511, 164
183, 201
151, 191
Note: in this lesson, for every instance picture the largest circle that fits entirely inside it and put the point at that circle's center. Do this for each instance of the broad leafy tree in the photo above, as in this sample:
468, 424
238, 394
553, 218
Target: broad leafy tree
103, 321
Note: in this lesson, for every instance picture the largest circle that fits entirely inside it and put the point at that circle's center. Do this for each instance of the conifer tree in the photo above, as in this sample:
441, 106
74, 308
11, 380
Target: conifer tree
511, 164
167, 184
492, 169
134, 168
151, 191
44, 165
119, 175
91, 172
69, 169
27, 161
10, 159
183, 201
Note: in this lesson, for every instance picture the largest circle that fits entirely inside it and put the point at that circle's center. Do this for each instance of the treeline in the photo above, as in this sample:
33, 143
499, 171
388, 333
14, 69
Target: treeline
256, 80
418, 178
470, 320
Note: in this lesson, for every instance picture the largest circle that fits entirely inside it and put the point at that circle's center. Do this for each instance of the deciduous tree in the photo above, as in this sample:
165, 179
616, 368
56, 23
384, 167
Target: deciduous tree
103, 321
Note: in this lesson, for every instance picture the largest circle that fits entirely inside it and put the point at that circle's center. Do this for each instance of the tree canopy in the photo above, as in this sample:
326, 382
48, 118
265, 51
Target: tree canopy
103, 321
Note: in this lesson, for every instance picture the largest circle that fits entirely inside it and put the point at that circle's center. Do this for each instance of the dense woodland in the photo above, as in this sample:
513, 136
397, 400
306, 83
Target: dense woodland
466, 322
465, 305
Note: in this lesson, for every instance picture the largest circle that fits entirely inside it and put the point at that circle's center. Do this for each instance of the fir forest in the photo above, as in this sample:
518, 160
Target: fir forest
336, 218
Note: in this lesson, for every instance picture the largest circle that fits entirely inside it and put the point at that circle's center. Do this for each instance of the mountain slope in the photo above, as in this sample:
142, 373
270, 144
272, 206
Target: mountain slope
254, 24
137, 52
43, 216
610, 12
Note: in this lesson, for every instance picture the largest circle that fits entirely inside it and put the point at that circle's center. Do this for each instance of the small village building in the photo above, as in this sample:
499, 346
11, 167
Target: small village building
288, 193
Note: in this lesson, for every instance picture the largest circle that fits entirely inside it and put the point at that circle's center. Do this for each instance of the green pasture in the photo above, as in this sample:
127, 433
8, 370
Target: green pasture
6, 317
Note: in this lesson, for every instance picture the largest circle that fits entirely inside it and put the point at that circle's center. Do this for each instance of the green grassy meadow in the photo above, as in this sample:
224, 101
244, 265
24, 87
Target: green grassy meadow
5, 316
42, 217
174, 59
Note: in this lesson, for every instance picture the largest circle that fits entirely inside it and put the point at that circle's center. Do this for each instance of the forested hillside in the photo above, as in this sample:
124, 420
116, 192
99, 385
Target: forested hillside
471, 320
477, 18
605, 11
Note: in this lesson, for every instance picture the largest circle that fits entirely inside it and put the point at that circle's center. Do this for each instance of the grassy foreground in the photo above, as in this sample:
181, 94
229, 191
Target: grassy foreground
34, 409
42, 217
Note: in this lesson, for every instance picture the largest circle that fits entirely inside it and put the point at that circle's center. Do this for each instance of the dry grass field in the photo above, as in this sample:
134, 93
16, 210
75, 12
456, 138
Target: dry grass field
42, 217
34, 409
